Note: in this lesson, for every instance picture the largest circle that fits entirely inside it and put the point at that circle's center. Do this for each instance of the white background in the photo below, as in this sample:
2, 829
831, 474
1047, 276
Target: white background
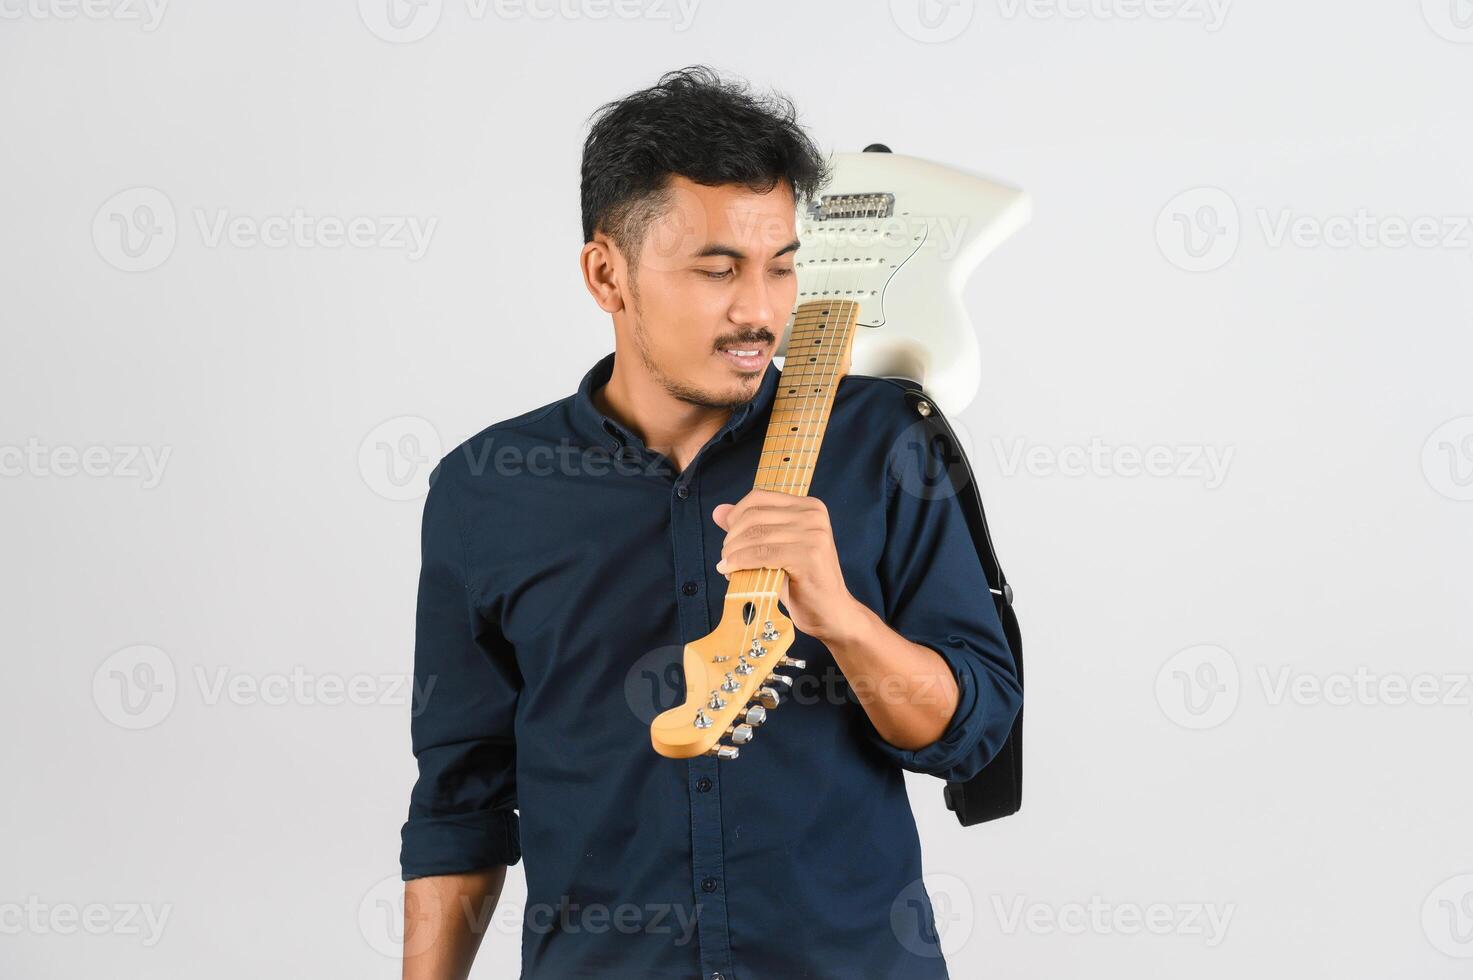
1151, 306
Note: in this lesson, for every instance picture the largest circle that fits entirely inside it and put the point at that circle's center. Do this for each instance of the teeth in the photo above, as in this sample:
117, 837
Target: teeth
741, 353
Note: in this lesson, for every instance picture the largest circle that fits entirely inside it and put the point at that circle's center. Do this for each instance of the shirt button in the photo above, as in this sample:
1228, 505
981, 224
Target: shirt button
690, 588
709, 885
682, 491
704, 784
716, 976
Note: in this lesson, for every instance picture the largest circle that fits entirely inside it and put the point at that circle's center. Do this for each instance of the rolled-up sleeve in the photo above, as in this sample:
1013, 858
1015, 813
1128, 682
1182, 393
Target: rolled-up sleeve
462, 813
936, 594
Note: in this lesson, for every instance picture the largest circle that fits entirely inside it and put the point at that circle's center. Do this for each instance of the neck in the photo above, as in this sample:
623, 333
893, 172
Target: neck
665, 424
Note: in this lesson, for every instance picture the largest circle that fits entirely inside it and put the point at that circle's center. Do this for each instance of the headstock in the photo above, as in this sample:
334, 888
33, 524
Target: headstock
730, 682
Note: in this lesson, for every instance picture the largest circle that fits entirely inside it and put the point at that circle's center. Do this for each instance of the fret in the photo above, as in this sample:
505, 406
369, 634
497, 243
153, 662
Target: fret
788, 451
795, 411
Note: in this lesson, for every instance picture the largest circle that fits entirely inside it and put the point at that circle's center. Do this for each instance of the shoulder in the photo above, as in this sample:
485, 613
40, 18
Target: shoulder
470, 460
882, 407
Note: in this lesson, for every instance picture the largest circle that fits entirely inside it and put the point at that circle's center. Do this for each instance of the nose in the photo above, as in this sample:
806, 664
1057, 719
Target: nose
752, 305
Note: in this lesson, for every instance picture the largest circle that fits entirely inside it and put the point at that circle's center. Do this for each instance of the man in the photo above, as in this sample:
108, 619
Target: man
570, 552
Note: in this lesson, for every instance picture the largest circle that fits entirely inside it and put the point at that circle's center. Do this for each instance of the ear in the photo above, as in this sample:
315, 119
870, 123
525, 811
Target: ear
601, 263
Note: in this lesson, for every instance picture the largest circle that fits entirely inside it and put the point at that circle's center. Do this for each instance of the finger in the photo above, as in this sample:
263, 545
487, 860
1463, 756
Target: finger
755, 517
788, 555
771, 498
802, 539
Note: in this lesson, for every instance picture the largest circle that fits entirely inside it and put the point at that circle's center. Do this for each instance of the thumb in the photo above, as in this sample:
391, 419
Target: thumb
719, 515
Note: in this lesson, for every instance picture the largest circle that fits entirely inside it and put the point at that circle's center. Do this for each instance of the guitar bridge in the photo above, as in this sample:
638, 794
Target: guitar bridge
835, 207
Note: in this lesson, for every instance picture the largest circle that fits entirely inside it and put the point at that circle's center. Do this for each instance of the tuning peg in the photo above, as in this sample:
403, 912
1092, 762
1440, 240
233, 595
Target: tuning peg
724, 751
790, 662
768, 698
740, 734
782, 679
756, 715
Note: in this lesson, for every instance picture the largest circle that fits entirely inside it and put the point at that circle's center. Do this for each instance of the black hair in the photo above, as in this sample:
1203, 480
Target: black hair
696, 124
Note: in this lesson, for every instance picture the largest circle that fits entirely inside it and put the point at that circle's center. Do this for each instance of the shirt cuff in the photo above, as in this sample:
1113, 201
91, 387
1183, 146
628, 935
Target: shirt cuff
953, 749
458, 842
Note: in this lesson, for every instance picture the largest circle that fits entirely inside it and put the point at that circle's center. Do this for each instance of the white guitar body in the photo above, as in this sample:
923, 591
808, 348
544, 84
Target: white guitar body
883, 211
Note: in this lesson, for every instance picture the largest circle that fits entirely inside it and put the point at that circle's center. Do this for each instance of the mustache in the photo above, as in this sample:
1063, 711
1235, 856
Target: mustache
765, 337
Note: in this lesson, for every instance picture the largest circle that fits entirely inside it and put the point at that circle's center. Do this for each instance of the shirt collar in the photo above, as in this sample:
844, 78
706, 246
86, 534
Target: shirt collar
600, 428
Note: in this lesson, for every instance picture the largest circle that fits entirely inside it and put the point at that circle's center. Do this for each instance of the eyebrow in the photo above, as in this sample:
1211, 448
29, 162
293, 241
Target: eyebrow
736, 253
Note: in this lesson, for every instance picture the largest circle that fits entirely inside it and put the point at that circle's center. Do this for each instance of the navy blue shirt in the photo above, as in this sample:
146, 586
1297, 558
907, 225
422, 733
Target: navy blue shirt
564, 567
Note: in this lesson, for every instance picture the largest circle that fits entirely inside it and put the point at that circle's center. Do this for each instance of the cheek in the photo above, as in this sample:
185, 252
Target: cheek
672, 314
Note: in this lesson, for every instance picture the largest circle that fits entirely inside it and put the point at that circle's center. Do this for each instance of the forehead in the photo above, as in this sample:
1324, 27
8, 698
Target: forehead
730, 214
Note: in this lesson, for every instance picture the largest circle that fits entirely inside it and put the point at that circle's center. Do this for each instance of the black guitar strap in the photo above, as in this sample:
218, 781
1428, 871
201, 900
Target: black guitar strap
996, 791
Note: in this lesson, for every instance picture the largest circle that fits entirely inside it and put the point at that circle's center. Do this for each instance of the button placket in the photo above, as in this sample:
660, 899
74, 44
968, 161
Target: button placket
707, 857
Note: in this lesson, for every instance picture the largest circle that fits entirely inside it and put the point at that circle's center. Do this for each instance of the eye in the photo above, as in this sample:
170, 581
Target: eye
722, 274
782, 272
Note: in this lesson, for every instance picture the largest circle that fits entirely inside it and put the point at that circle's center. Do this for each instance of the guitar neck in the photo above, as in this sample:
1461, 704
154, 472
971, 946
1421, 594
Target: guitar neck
818, 355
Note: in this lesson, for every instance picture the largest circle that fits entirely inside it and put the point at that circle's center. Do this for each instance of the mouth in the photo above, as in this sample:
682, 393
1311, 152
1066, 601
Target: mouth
747, 356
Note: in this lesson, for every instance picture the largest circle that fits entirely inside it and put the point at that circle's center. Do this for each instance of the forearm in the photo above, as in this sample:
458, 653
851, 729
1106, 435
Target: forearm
907, 689
445, 917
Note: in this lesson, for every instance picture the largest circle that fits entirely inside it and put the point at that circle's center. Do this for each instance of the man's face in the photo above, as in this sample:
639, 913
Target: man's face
713, 289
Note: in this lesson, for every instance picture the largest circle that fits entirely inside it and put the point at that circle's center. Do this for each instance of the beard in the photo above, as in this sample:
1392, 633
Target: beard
676, 388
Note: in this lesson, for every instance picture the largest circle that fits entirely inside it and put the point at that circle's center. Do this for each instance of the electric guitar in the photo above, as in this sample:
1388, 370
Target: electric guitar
885, 254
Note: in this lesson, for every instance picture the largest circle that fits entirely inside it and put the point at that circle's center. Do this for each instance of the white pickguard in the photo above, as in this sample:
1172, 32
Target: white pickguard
907, 270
